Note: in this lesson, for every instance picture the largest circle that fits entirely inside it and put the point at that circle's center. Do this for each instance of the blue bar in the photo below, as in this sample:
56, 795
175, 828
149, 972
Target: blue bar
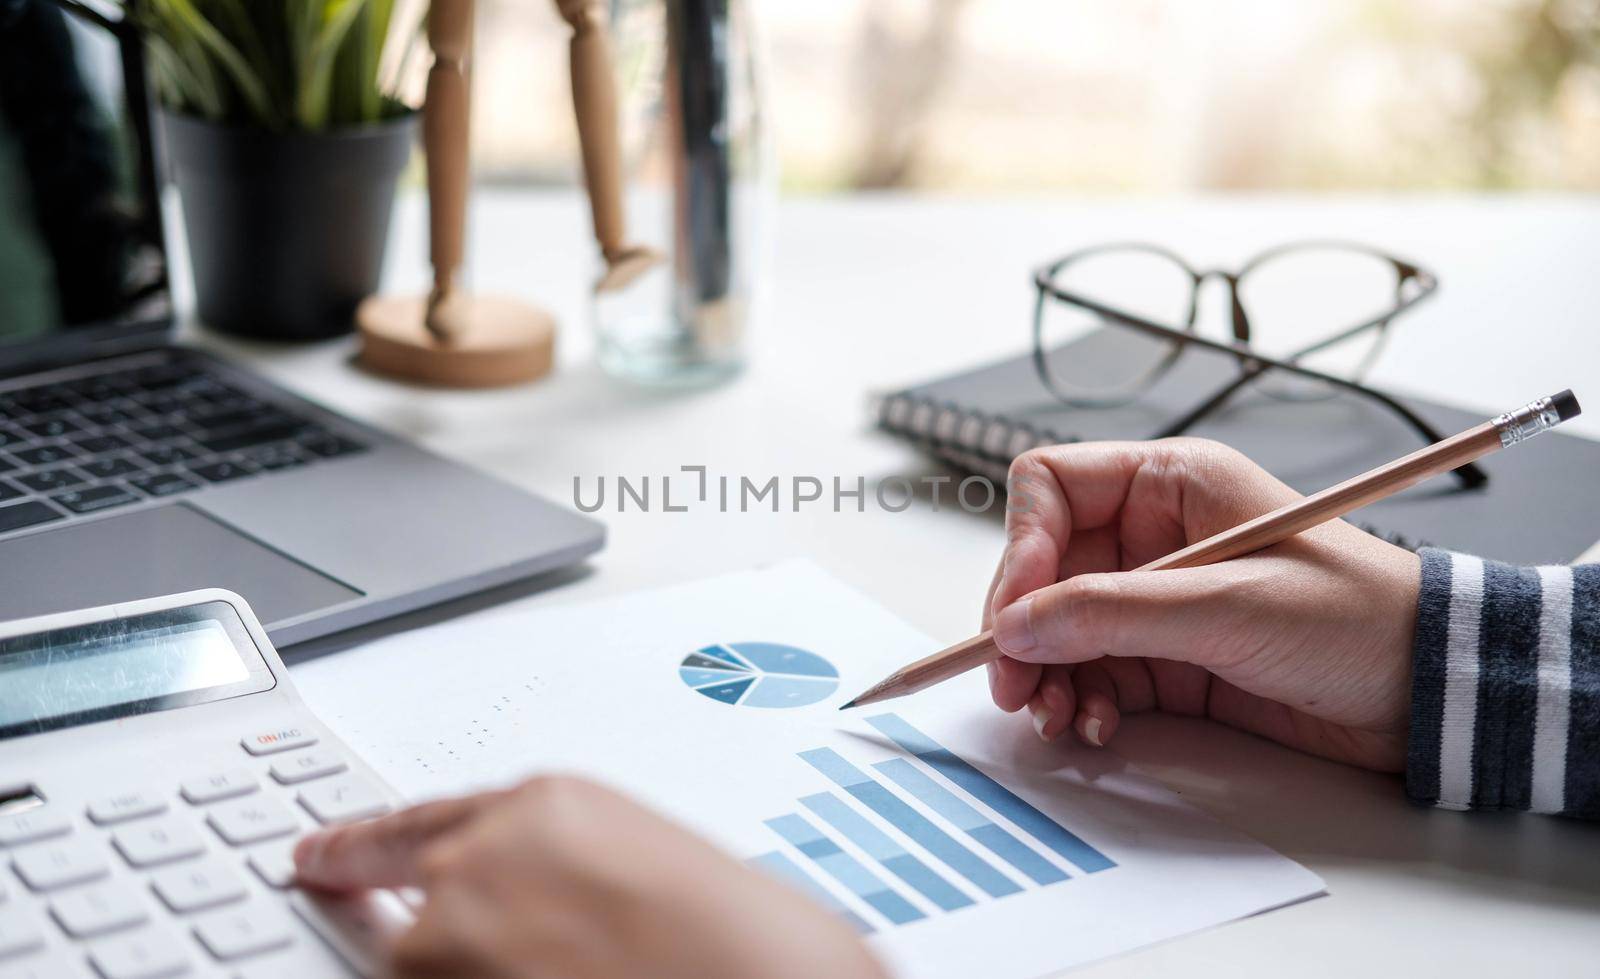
910, 822
781, 867
992, 793
970, 821
886, 851
844, 868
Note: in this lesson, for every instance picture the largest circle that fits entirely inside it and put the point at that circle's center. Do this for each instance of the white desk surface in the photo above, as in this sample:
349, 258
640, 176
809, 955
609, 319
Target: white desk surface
872, 292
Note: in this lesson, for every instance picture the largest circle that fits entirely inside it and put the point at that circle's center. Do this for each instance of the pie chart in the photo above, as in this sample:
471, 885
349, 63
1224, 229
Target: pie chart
759, 674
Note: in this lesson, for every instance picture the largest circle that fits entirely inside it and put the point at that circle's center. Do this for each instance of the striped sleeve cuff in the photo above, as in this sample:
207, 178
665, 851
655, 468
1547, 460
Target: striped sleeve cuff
1505, 698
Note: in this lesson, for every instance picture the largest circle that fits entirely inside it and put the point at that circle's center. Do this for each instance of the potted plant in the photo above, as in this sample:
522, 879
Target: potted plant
285, 147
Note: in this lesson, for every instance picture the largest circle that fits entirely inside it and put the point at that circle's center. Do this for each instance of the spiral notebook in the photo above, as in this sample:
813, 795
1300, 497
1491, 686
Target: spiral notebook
1538, 506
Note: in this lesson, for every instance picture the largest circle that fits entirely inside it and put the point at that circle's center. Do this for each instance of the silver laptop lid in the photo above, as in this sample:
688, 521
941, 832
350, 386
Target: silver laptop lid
83, 270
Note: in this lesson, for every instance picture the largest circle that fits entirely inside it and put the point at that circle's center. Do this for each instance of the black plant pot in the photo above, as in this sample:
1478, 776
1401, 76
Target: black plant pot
286, 230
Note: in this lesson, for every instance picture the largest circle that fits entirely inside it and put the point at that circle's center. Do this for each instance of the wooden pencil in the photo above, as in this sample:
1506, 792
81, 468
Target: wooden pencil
1272, 528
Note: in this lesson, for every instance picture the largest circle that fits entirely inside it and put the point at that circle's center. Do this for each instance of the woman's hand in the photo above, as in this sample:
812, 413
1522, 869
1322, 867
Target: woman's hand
1307, 643
560, 877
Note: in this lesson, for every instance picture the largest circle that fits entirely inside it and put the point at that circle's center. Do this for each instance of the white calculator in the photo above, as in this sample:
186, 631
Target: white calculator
156, 769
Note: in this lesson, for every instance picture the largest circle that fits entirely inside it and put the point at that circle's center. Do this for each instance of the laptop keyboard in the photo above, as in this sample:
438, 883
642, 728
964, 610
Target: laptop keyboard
77, 447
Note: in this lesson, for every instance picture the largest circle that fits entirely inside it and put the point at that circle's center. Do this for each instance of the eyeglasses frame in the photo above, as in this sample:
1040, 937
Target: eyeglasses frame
1252, 363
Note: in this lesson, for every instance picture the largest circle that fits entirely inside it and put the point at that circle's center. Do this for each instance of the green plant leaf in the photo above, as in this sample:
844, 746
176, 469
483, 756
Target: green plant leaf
347, 97
185, 17
234, 20
204, 92
273, 63
179, 85
374, 40
316, 74
303, 18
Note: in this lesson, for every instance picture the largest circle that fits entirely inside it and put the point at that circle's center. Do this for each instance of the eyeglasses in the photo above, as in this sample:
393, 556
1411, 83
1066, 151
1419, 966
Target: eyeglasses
1309, 319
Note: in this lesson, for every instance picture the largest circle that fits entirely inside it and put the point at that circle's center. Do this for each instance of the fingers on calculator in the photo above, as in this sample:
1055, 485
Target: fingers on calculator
193, 877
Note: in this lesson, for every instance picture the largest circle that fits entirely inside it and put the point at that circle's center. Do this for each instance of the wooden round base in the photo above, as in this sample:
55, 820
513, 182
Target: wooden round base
494, 341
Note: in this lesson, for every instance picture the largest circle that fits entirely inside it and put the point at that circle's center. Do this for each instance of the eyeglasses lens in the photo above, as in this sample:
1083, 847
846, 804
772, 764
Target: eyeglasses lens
1143, 282
1301, 296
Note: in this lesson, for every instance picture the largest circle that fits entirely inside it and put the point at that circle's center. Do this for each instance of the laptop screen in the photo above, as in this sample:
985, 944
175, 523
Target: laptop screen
81, 256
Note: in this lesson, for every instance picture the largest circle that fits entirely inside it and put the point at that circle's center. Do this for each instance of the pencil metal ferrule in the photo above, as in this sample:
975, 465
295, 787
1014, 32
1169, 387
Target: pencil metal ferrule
1526, 422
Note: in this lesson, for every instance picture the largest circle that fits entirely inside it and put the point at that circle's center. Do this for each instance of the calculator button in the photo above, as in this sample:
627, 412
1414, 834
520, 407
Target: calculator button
274, 864
222, 785
272, 742
305, 766
242, 933
251, 820
48, 866
25, 827
282, 966
18, 933
360, 928
97, 911
124, 806
196, 886
343, 799
157, 841
54, 964
147, 954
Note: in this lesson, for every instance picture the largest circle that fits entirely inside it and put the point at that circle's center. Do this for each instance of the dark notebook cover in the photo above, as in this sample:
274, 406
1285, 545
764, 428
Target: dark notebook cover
1540, 506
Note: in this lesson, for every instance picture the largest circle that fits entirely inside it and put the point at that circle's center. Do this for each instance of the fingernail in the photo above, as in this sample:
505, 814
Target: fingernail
308, 852
1041, 719
1091, 730
1013, 627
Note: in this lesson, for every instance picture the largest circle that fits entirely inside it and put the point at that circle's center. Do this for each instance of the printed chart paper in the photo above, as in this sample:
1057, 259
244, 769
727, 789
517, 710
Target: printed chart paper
945, 832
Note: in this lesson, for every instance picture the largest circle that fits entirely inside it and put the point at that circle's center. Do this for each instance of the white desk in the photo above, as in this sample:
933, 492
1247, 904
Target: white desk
873, 292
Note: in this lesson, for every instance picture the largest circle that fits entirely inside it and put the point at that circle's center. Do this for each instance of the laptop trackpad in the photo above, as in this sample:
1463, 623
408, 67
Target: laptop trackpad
154, 552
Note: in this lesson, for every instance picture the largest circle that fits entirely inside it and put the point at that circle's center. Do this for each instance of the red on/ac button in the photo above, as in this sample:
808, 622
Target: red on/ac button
276, 740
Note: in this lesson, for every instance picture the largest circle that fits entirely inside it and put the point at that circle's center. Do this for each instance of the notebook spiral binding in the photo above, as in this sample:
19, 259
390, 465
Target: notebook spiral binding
1397, 539
985, 445
968, 439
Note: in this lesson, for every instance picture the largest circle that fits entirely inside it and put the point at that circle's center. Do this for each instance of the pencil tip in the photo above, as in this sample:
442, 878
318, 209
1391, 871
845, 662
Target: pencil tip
847, 706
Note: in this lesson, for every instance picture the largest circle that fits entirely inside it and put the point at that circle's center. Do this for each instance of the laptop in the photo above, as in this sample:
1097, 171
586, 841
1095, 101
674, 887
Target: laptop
133, 467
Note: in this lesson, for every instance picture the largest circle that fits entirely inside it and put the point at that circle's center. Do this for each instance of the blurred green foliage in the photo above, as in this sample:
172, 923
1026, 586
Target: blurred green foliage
1530, 61
276, 64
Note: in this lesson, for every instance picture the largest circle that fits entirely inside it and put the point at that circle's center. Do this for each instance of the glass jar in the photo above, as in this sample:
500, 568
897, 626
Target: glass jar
698, 179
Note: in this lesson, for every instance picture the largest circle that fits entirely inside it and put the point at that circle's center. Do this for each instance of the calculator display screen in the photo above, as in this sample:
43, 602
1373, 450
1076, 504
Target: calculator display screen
118, 667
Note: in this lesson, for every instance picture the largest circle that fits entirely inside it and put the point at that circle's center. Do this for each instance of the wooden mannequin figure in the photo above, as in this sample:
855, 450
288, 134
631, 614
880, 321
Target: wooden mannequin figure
455, 339
594, 100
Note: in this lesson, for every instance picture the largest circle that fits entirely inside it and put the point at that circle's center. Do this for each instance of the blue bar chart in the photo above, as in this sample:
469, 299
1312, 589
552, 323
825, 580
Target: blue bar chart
916, 835
922, 830
976, 825
845, 869
882, 848
986, 790
782, 867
